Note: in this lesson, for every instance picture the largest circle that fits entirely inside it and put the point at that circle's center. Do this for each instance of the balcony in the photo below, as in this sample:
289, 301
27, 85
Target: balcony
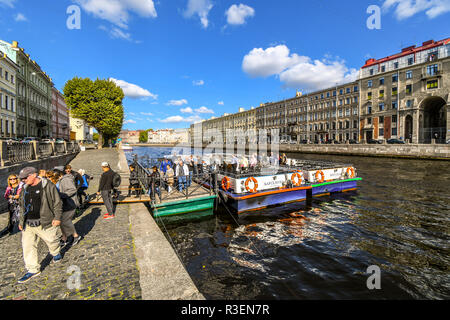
437, 73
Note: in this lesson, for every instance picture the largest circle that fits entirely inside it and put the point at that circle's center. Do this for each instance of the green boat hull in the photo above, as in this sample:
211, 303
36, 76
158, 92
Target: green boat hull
183, 207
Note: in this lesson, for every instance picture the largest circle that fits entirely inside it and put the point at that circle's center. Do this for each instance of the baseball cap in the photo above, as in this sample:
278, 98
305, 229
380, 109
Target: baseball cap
25, 172
105, 164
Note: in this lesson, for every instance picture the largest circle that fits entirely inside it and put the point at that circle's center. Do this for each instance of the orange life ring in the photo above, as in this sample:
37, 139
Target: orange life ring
299, 177
322, 179
226, 183
255, 183
351, 172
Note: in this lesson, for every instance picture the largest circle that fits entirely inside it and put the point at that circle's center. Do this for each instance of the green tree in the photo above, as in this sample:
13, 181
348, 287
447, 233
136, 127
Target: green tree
143, 136
99, 103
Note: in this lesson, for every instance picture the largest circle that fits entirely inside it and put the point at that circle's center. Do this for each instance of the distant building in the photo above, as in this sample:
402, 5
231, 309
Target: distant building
60, 116
129, 136
168, 136
82, 131
8, 70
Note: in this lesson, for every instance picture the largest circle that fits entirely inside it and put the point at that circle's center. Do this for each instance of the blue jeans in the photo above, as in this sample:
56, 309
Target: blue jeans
190, 179
157, 191
182, 182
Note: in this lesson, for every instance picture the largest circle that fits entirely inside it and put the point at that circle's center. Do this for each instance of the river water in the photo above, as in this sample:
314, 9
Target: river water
398, 220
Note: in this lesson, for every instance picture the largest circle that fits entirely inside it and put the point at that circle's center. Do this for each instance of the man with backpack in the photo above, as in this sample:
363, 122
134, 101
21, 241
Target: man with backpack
108, 181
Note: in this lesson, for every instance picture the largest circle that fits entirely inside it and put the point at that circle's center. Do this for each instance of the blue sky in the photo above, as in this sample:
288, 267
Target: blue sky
183, 60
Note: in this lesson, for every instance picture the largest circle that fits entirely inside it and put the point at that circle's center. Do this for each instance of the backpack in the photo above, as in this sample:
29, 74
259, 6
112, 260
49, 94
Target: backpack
117, 179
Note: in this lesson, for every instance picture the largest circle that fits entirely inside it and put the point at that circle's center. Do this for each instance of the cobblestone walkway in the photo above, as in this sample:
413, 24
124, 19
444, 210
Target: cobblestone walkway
104, 258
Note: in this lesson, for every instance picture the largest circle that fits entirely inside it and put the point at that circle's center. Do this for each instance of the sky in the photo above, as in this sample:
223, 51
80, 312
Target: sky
182, 61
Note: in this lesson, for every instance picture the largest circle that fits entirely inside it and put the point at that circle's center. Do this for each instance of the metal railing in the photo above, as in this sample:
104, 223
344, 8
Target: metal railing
183, 187
12, 152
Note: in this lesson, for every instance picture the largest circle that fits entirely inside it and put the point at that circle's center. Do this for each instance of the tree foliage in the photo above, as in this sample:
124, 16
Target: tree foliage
143, 136
97, 102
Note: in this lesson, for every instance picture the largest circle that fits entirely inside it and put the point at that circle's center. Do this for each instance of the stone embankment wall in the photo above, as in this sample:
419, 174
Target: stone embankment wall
413, 151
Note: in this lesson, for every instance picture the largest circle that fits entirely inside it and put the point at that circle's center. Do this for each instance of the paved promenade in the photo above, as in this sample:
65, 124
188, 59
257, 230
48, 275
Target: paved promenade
104, 258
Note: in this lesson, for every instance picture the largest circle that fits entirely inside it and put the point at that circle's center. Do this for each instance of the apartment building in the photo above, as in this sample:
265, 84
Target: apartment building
8, 70
60, 116
406, 95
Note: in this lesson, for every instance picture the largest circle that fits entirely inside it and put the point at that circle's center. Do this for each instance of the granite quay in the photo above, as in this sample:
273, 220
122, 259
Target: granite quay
124, 258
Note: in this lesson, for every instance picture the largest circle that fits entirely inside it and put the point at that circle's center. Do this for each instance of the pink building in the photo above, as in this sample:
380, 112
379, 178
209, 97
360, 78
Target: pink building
60, 116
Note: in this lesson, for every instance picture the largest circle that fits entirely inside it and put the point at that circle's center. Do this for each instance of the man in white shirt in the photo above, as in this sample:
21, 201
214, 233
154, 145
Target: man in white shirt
182, 172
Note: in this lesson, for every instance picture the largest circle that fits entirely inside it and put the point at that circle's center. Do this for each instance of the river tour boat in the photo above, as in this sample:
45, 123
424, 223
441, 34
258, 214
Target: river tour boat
248, 188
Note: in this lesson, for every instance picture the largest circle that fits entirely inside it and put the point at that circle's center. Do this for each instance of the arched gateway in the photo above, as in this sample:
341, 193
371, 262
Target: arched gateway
433, 123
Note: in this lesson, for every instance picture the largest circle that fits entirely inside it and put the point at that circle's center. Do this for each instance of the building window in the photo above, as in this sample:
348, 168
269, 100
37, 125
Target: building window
432, 70
381, 94
369, 109
394, 104
355, 89
394, 91
383, 68
409, 74
381, 119
371, 72
394, 131
369, 96
395, 65
395, 78
369, 84
369, 120
410, 61
341, 91
381, 132
381, 107
409, 89
433, 84
381, 81
394, 118
409, 103
348, 90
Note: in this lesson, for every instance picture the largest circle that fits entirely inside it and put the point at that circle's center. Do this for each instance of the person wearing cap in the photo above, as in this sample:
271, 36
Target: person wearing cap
104, 189
40, 209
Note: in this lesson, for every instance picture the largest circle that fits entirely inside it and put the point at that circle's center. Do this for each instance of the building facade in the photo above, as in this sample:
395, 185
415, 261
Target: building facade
82, 131
129, 136
8, 78
60, 116
406, 95
34, 94
168, 136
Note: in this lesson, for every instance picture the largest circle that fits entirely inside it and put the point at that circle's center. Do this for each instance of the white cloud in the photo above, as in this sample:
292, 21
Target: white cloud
408, 8
268, 62
220, 103
129, 121
177, 103
237, 14
178, 119
118, 11
133, 91
20, 17
117, 33
187, 110
204, 110
200, 8
147, 113
8, 3
198, 82
297, 71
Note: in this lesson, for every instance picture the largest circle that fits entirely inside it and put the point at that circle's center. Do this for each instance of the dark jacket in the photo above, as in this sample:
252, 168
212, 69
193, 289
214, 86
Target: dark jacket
51, 204
156, 178
106, 181
134, 178
68, 192
77, 178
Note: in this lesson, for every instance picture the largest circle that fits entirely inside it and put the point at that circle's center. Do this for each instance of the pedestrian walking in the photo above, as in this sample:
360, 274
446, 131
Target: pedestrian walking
69, 197
40, 210
12, 196
104, 189
164, 164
